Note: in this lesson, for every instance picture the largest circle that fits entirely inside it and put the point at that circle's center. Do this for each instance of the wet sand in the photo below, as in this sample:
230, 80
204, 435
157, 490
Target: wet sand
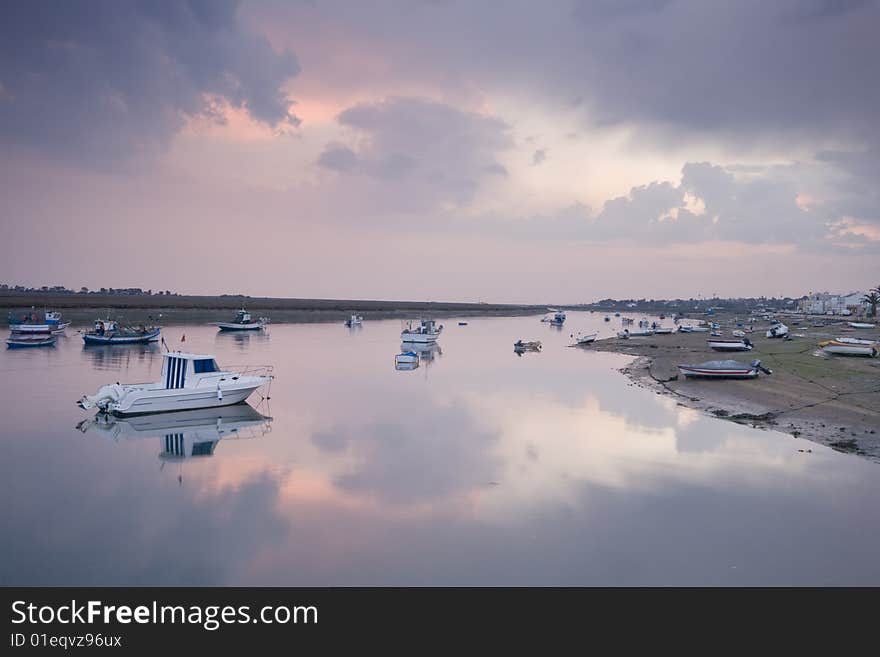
832, 400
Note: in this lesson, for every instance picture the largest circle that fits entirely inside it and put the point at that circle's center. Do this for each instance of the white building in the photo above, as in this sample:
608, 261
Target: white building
823, 303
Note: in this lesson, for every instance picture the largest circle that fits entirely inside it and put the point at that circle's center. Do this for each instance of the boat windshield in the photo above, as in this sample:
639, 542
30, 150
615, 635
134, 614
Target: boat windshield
203, 365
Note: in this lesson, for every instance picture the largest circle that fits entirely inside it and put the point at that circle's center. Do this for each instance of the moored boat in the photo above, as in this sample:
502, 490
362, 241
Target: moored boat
108, 331
558, 318
15, 341
243, 322
426, 331
862, 325
731, 345
693, 329
354, 320
778, 330
839, 348
723, 369
188, 381
531, 345
407, 360
586, 338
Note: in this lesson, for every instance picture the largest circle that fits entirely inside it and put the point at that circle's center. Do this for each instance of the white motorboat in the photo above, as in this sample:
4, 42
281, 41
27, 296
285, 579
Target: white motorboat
639, 332
407, 360
849, 348
861, 325
743, 344
244, 322
558, 318
777, 331
693, 329
354, 320
624, 334
188, 381
723, 369
586, 338
426, 331
738, 334
183, 434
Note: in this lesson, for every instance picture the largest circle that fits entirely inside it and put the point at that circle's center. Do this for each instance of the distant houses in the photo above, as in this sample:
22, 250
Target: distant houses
824, 303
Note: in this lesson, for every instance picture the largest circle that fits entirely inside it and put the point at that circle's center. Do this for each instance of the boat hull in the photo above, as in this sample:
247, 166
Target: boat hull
182, 400
231, 326
13, 343
850, 349
697, 372
152, 336
720, 345
406, 336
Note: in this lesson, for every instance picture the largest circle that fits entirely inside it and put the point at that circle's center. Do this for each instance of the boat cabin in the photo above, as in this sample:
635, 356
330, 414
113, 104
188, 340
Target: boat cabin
243, 317
182, 370
103, 326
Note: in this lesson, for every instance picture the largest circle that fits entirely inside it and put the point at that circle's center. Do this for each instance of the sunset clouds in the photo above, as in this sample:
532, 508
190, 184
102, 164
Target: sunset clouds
417, 130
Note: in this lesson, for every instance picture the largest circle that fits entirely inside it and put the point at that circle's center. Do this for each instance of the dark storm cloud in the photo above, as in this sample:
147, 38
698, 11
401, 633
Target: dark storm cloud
103, 78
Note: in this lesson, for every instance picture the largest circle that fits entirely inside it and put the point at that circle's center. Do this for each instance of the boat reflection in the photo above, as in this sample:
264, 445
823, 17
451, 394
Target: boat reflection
183, 434
427, 351
119, 356
242, 339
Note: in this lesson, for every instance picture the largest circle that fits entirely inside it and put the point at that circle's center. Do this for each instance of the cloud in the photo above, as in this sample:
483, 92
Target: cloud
107, 80
420, 148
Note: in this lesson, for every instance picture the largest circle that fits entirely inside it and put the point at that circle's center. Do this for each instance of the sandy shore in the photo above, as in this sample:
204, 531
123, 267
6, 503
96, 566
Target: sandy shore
85, 308
832, 400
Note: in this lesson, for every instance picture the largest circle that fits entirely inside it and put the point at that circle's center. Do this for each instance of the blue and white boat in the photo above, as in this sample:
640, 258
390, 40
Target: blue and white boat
16, 341
30, 323
188, 381
244, 322
108, 331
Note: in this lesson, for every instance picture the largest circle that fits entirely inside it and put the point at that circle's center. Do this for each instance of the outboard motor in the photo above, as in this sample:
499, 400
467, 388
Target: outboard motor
757, 365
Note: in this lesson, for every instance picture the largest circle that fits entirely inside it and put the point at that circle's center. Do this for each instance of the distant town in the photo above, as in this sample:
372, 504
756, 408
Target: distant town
856, 303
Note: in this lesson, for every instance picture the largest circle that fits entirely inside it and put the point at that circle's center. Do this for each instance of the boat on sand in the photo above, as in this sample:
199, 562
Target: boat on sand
723, 369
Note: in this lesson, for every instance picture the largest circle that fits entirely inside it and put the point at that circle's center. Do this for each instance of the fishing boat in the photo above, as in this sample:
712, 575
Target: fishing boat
243, 322
743, 344
778, 330
108, 331
16, 341
426, 331
407, 360
531, 345
848, 348
354, 320
586, 338
188, 381
30, 323
723, 369
558, 318
861, 325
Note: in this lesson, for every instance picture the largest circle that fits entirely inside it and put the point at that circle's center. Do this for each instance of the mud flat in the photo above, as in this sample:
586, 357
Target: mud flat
832, 400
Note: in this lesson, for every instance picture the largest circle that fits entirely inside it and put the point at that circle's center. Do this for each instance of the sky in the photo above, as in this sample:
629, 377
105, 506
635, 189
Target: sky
557, 152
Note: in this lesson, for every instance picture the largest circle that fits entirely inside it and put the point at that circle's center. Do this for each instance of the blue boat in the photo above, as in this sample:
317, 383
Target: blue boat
107, 331
25, 342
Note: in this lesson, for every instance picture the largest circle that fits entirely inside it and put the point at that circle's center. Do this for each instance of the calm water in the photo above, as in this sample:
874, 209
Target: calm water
481, 467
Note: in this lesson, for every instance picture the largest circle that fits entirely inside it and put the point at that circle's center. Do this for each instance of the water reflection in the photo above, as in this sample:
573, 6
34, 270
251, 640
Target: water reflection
547, 470
427, 351
121, 356
242, 339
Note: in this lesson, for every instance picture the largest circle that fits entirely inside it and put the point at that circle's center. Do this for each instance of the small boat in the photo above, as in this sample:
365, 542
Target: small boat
777, 331
533, 345
642, 332
407, 360
586, 338
861, 325
188, 381
462, 323
30, 323
558, 318
427, 331
724, 369
607, 318
731, 345
624, 334
15, 341
663, 330
108, 331
855, 341
354, 320
244, 322
617, 314
738, 334
848, 348
693, 329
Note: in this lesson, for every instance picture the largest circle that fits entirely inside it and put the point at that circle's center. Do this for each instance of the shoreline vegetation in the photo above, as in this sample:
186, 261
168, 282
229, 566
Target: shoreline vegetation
831, 400
137, 308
